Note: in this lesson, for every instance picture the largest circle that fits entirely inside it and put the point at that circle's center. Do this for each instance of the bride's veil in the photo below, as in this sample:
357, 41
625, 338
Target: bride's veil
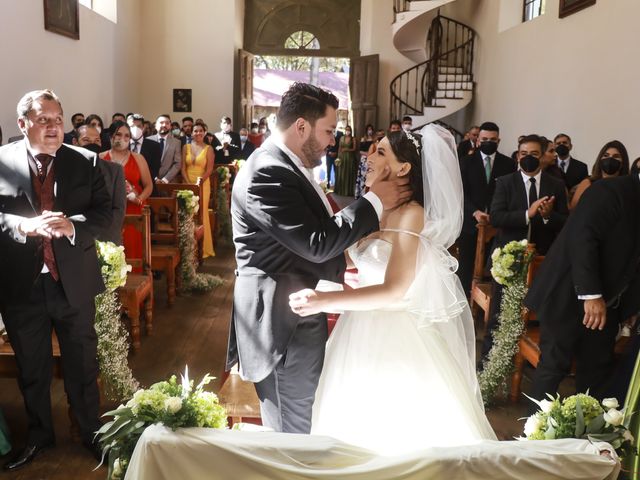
436, 295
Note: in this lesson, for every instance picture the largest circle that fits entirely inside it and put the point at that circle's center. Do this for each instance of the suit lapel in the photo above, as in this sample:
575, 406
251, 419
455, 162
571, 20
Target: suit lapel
21, 167
521, 190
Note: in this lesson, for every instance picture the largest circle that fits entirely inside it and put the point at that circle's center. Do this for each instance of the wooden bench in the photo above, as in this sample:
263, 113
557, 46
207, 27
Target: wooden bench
481, 282
240, 399
171, 188
139, 287
165, 252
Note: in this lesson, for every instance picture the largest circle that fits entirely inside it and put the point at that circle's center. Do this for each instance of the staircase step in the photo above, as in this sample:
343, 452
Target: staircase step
459, 77
444, 69
455, 85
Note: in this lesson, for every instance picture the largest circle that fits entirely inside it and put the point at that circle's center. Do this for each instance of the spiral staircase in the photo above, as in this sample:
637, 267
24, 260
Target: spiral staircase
441, 83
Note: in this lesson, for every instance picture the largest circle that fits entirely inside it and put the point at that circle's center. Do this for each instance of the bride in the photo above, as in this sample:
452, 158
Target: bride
399, 372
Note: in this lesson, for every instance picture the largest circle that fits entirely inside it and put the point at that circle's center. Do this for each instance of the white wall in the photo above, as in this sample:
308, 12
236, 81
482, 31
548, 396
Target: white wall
189, 44
578, 75
96, 74
376, 18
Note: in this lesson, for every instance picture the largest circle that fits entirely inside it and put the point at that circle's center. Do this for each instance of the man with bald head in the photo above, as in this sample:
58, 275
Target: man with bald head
53, 206
88, 137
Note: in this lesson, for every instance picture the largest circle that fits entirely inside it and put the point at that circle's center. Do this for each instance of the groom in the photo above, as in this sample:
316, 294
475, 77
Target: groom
286, 239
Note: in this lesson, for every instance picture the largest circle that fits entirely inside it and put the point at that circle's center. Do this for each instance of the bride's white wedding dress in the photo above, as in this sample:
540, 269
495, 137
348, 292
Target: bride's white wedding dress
394, 382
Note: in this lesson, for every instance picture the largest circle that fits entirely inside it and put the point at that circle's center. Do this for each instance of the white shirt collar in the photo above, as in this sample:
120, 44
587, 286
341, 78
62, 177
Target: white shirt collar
491, 157
566, 162
526, 178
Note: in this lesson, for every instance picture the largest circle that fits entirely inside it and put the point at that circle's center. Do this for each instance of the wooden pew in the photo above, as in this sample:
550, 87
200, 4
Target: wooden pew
240, 399
165, 252
139, 287
481, 282
170, 188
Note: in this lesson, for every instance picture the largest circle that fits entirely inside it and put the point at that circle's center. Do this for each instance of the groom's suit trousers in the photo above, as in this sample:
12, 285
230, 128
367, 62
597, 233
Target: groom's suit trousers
287, 393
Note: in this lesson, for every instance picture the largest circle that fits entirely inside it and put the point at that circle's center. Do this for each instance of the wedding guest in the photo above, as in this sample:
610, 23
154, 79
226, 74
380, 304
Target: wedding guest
330, 159
612, 161
150, 150
89, 138
171, 150
246, 147
256, 137
229, 140
50, 272
138, 184
407, 123
175, 130
635, 168
105, 136
549, 159
468, 145
346, 164
574, 170
528, 204
187, 129
395, 126
77, 119
365, 143
585, 285
479, 173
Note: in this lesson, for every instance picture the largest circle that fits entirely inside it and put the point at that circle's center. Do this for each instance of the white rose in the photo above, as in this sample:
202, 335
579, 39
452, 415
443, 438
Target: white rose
173, 404
523, 243
117, 468
613, 417
545, 405
627, 436
610, 403
532, 425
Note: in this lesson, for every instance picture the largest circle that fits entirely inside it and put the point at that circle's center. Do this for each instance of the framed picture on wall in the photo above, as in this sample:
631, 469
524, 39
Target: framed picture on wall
63, 17
567, 7
181, 99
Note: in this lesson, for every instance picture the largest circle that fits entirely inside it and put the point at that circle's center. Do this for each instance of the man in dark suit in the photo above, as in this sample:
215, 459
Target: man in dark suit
246, 147
587, 283
90, 138
528, 204
149, 149
574, 170
171, 150
479, 172
187, 130
53, 205
229, 143
468, 146
287, 238
77, 119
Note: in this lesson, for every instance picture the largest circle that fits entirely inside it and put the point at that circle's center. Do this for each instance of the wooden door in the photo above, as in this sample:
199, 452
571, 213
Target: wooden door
244, 105
363, 88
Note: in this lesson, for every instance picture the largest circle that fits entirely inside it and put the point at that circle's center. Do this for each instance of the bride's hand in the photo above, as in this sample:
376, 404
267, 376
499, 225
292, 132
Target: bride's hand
306, 302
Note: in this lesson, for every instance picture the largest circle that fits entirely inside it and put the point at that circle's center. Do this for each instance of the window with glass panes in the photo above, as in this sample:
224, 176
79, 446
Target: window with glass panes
531, 9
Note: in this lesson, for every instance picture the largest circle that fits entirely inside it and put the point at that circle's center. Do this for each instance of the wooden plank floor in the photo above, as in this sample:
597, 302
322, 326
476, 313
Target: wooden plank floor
193, 332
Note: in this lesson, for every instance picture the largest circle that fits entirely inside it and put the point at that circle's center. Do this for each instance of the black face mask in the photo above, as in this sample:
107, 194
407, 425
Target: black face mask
488, 148
562, 150
94, 147
610, 165
529, 164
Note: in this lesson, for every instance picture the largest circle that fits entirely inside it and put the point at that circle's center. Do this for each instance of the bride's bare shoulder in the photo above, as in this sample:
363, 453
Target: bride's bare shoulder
408, 217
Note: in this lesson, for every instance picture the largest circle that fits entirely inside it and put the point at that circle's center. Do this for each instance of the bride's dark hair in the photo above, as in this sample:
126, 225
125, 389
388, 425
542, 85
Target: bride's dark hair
408, 150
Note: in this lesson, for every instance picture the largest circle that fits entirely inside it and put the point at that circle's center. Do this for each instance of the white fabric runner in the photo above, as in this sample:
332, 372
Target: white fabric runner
200, 453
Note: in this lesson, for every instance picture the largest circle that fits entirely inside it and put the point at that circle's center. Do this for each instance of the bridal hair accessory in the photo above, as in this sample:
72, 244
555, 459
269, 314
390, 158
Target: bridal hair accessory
415, 140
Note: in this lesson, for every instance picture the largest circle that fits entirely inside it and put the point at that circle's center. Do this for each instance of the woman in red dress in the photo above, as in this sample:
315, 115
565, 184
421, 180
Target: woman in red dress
138, 184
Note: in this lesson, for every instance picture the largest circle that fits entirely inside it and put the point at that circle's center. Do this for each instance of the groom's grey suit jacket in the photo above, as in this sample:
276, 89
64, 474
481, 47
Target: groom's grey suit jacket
285, 240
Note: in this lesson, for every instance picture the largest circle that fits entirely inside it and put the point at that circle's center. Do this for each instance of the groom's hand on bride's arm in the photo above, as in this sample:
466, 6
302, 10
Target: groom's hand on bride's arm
306, 302
392, 192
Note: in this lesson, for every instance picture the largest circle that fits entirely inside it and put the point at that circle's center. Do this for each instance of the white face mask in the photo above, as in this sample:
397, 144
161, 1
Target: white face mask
136, 132
243, 138
406, 127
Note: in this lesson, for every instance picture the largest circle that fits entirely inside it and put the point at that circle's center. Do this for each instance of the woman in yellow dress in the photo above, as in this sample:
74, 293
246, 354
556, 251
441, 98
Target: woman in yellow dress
197, 162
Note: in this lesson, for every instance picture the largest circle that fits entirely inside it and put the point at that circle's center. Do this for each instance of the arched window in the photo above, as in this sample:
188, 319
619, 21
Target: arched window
302, 40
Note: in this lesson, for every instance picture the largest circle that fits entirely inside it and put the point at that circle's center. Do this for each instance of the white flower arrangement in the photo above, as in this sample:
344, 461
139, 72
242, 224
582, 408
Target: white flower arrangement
510, 265
113, 345
190, 280
580, 416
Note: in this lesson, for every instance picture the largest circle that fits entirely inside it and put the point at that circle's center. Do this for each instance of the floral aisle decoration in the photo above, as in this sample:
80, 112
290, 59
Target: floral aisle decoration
509, 269
238, 163
224, 218
190, 280
175, 405
113, 345
580, 416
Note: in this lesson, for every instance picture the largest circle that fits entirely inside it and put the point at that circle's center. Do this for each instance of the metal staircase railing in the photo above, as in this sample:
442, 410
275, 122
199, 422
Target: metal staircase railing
445, 74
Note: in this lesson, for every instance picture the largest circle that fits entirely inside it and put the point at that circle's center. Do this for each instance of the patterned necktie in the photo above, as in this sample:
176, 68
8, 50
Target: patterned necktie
533, 195
487, 168
134, 146
42, 163
563, 166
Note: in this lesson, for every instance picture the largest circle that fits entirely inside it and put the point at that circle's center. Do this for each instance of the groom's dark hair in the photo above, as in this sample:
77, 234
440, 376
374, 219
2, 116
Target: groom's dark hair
303, 100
